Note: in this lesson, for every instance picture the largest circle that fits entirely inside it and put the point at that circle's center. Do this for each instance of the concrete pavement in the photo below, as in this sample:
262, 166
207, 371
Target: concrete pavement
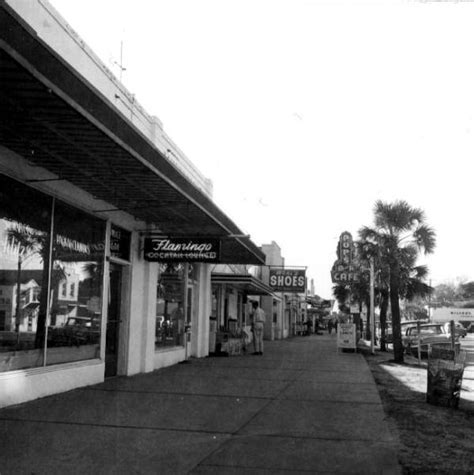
302, 407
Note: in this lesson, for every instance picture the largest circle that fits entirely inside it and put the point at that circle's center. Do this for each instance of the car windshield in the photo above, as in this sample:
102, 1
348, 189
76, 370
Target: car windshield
431, 330
78, 321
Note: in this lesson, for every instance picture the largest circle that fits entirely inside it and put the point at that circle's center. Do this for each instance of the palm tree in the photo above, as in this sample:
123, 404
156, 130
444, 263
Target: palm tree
401, 234
413, 276
27, 242
412, 286
384, 298
382, 295
360, 292
356, 291
33, 242
366, 252
341, 293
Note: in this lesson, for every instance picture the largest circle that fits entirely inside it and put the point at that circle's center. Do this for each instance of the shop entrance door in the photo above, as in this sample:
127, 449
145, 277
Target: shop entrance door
113, 320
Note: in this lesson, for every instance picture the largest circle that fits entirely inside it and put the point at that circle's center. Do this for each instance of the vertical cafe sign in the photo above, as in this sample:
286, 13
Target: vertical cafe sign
345, 269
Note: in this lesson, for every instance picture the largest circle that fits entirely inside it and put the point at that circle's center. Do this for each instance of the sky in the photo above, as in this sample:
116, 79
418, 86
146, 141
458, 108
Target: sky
303, 113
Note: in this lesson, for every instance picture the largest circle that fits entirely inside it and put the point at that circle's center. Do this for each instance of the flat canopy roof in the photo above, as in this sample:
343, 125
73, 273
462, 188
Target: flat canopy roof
53, 117
247, 282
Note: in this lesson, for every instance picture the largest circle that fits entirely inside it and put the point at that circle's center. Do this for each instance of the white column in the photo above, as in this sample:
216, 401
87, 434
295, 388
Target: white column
200, 323
141, 313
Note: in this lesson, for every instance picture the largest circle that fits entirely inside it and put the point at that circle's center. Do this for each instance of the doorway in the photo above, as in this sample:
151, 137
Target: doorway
113, 320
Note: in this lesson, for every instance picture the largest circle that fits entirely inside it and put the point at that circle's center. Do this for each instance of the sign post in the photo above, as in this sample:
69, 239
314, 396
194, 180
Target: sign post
372, 304
346, 336
345, 269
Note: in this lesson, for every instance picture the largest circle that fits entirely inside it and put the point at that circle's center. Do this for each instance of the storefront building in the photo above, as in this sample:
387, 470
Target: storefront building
234, 288
84, 189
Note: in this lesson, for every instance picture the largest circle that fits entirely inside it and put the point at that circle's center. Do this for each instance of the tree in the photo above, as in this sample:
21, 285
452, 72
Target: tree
401, 234
341, 293
384, 301
359, 291
33, 242
446, 294
367, 251
467, 290
27, 243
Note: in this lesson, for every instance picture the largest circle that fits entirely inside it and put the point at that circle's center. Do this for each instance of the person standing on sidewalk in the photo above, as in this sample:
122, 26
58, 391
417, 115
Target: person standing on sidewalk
258, 321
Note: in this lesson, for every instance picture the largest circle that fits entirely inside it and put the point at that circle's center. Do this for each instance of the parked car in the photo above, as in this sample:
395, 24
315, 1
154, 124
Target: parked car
76, 331
430, 334
403, 327
459, 329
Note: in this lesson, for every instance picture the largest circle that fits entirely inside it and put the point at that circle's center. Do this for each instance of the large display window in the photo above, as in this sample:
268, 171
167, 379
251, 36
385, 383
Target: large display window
76, 290
51, 272
174, 306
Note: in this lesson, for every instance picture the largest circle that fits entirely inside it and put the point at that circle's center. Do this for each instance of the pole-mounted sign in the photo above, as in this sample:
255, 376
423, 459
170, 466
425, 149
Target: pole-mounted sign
346, 269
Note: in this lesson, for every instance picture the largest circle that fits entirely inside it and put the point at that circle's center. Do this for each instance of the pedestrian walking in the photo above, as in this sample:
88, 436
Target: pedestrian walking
258, 321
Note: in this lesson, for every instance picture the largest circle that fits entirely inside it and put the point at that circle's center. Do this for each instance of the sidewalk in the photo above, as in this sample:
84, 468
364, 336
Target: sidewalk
303, 407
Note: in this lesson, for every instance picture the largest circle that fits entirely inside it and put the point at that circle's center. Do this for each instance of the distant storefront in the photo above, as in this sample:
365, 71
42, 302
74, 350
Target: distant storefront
233, 290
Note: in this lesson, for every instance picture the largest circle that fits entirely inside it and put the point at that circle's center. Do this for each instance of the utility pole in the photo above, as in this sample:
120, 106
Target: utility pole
372, 304
429, 305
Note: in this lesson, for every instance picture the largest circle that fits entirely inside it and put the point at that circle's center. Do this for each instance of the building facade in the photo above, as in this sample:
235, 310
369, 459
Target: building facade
234, 288
87, 182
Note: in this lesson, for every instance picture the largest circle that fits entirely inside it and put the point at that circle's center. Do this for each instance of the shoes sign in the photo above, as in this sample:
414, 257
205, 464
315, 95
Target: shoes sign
287, 280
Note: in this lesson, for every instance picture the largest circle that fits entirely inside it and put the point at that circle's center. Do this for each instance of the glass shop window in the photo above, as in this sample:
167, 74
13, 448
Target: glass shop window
2, 320
36, 272
25, 223
170, 314
215, 302
240, 310
78, 261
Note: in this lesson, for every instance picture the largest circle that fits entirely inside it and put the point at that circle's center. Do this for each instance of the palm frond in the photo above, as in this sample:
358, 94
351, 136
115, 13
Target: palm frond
26, 239
340, 293
420, 272
397, 217
425, 238
368, 234
417, 288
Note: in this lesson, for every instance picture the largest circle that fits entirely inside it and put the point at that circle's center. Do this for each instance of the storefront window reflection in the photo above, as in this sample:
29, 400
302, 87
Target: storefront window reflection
24, 254
35, 323
76, 290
